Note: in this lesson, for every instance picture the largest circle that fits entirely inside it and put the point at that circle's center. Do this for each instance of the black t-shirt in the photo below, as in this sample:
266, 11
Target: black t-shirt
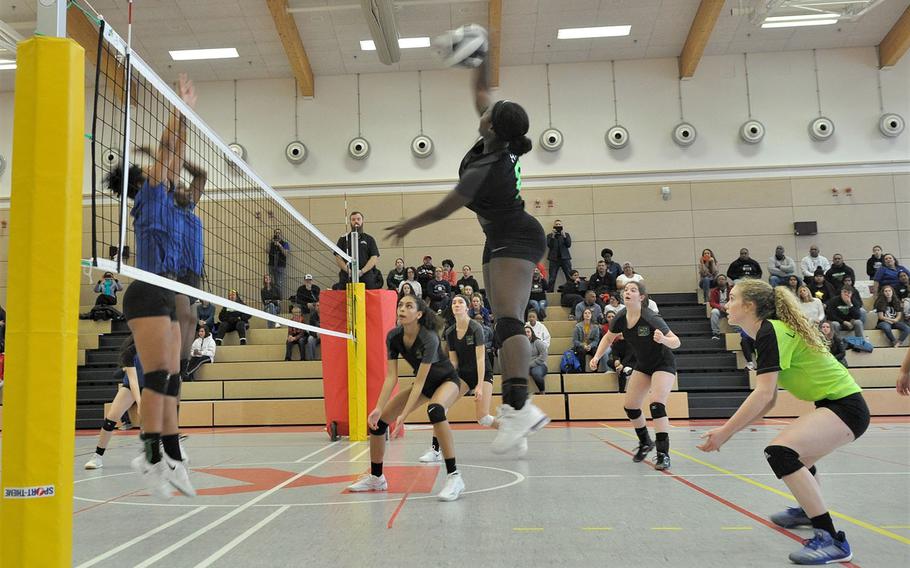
499, 193
640, 338
438, 290
366, 247
469, 281
425, 273
426, 347
395, 278
902, 290
600, 284
464, 349
310, 296
538, 289
270, 295
276, 258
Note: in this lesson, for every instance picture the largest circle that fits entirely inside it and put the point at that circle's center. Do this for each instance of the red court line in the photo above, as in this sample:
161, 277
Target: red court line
401, 503
721, 500
852, 453
111, 500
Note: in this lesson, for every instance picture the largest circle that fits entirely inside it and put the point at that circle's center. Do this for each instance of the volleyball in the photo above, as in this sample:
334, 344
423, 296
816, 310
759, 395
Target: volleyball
463, 47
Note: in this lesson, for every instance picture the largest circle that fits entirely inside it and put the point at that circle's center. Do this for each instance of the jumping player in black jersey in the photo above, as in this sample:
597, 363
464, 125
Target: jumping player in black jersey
490, 185
651, 340
415, 339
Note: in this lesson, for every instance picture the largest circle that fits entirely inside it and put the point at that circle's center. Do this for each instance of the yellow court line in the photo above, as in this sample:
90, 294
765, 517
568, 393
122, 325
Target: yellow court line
895, 526
736, 528
849, 519
528, 529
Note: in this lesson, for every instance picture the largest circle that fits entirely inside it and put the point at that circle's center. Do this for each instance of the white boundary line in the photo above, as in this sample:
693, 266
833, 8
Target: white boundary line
139, 539
180, 543
242, 537
180, 288
357, 457
311, 454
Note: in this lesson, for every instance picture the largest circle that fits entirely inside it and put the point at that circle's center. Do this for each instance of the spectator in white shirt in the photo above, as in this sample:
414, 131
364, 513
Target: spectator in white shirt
539, 329
811, 262
810, 306
202, 352
628, 275
781, 267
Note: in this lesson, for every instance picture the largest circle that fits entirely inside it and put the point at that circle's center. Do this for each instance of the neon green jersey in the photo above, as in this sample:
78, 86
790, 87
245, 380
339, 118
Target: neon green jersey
808, 374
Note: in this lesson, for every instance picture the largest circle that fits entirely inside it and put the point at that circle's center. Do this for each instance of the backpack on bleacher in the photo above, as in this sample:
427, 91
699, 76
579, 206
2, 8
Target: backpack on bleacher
569, 363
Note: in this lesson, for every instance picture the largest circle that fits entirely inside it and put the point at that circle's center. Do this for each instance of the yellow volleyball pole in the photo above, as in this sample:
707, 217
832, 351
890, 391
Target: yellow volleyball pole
357, 362
43, 304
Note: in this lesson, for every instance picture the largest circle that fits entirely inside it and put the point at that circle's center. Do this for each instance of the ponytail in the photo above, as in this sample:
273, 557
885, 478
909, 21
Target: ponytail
520, 146
429, 319
780, 304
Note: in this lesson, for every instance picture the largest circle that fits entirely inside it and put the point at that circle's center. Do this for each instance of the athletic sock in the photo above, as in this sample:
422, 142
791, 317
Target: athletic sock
663, 442
376, 469
152, 443
643, 436
515, 392
99, 450
450, 465
171, 443
435, 444
824, 521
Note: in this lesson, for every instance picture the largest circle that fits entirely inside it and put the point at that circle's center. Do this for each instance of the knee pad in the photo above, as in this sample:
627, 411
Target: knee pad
173, 385
108, 425
436, 413
632, 413
381, 428
156, 381
505, 328
783, 460
658, 410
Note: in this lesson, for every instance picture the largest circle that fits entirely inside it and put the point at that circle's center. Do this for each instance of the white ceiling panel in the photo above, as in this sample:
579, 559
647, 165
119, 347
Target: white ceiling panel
332, 29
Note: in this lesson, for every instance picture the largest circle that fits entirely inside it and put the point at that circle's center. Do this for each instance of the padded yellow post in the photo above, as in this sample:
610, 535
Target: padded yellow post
357, 362
43, 304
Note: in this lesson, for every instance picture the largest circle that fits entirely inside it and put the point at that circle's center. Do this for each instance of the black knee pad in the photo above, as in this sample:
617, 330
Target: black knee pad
658, 410
173, 385
436, 412
108, 425
783, 460
381, 428
505, 328
632, 413
156, 381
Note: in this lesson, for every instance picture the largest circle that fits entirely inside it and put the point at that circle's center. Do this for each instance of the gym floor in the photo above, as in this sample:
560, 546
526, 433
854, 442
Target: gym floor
276, 497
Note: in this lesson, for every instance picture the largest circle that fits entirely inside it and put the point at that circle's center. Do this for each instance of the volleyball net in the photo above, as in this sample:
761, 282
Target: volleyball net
229, 229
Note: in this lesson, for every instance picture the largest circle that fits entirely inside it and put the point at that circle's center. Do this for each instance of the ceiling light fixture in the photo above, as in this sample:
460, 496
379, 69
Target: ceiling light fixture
195, 54
602, 31
798, 23
403, 43
819, 16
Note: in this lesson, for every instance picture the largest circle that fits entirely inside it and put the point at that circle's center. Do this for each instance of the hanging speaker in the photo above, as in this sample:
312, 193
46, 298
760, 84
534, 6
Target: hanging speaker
551, 139
617, 137
421, 146
295, 152
359, 148
891, 124
110, 156
752, 131
238, 150
821, 129
684, 134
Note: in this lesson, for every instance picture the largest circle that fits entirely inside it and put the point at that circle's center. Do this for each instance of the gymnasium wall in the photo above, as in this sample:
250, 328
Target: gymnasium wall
661, 238
783, 97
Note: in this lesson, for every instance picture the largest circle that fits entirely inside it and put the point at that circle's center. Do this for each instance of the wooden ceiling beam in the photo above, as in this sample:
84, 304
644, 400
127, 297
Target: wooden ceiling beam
896, 41
699, 34
293, 46
495, 37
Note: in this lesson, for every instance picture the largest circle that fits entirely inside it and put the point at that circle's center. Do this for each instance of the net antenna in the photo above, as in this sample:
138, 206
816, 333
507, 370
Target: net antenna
236, 211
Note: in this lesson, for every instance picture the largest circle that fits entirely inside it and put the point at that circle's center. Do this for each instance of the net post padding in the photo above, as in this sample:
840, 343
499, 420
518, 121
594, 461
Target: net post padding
44, 257
357, 362
379, 316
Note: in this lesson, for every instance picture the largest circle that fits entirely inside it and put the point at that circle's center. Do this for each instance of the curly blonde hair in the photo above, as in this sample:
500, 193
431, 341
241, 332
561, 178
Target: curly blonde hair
780, 304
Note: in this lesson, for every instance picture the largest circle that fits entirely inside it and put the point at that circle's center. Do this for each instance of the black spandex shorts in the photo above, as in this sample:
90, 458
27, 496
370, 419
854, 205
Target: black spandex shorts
521, 236
144, 300
189, 278
441, 372
470, 379
851, 409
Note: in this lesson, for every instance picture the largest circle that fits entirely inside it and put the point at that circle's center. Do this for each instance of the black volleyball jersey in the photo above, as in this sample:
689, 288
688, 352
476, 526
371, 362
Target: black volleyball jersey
499, 194
465, 347
426, 347
640, 337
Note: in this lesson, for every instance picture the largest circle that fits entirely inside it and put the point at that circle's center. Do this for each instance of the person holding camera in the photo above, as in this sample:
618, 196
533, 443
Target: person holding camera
278, 260
107, 289
558, 244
